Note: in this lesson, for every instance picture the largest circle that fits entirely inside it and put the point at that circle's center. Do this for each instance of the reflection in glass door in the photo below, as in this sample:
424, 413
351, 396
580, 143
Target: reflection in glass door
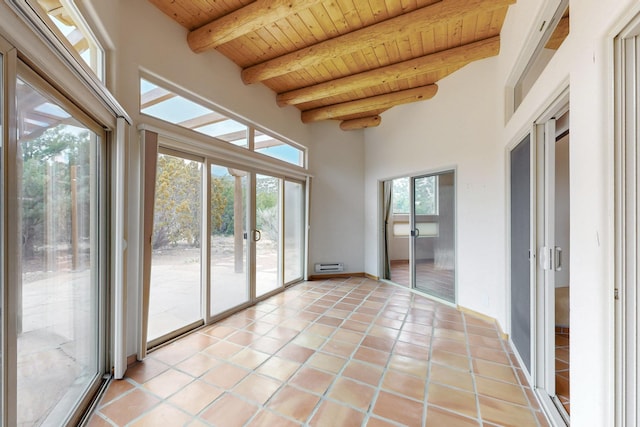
433, 235
59, 261
175, 288
229, 272
267, 234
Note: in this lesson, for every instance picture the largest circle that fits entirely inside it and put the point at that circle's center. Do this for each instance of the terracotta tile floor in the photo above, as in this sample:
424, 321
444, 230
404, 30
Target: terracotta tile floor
333, 353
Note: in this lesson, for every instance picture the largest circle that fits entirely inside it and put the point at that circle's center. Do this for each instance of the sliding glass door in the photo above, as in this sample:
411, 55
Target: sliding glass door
267, 234
433, 236
419, 233
229, 269
221, 238
293, 231
176, 262
58, 286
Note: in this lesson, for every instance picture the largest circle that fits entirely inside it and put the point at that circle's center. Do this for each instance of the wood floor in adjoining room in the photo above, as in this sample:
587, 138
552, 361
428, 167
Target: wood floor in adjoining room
437, 282
563, 389
347, 352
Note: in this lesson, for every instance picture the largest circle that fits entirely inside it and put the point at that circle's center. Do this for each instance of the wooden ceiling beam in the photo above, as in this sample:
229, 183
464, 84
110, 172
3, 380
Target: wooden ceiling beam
374, 103
243, 21
363, 123
451, 58
420, 20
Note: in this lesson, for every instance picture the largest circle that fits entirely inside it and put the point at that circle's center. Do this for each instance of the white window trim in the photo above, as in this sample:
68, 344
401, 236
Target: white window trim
190, 141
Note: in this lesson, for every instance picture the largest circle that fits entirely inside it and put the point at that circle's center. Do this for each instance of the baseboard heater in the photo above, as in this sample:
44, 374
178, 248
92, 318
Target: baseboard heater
329, 267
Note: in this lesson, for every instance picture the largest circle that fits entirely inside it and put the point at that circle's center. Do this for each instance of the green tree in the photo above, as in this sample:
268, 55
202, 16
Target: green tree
177, 202
222, 192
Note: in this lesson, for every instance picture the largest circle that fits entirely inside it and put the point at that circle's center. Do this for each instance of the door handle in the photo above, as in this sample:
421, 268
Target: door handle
415, 233
257, 235
551, 258
557, 258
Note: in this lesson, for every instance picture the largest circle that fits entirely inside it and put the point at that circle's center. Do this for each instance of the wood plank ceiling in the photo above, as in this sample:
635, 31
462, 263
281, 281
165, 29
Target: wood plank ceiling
347, 60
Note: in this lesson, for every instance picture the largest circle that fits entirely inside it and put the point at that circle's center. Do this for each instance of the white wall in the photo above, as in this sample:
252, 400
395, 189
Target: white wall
458, 128
337, 199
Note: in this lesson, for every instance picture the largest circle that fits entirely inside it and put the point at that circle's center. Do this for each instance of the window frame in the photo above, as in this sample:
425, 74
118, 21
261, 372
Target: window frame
60, 51
33, 10
543, 28
12, 274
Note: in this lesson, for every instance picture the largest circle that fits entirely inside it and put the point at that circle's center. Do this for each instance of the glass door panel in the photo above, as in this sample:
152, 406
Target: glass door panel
175, 289
229, 272
267, 234
58, 204
293, 230
397, 229
433, 233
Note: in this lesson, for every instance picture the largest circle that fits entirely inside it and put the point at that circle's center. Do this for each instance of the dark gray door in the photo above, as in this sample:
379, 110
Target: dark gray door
520, 250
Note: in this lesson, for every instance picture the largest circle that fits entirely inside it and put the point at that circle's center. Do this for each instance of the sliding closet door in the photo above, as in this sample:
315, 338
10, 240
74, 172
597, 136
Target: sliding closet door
520, 250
